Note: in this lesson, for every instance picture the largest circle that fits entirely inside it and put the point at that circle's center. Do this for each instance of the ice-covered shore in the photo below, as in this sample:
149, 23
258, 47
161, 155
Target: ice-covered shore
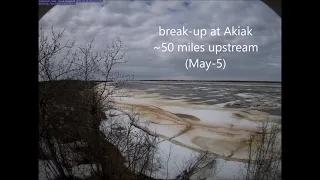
191, 128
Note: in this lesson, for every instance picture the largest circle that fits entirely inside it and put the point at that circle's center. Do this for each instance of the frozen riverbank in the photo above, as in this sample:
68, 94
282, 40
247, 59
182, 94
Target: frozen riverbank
190, 128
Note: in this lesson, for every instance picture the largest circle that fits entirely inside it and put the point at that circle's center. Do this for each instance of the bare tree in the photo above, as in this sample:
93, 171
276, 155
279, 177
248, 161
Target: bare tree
200, 167
168, 160
50, 70
136, 146
55, 60
70, 105
82, 131
264, 160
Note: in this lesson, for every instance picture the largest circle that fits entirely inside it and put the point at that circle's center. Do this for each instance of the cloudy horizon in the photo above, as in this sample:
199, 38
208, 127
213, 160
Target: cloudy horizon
136, 24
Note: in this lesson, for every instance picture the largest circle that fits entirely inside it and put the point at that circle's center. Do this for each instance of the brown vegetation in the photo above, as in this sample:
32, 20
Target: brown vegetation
71, 110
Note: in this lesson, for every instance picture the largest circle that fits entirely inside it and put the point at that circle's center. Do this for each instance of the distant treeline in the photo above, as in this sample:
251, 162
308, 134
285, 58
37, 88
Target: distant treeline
97, 81
210, 81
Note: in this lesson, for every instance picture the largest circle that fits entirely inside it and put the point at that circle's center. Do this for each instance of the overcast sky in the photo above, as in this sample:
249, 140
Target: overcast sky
137, 22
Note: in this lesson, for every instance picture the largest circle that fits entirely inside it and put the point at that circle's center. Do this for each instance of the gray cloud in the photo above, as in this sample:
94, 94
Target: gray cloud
137, 22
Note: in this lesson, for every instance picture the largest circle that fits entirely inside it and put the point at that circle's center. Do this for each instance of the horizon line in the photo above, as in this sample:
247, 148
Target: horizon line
201, 80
